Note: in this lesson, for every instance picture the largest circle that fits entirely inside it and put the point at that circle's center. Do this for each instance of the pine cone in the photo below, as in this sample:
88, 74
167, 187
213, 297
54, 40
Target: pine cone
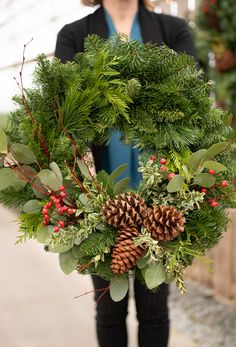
124, 210
125, 253
164, 222
226, 62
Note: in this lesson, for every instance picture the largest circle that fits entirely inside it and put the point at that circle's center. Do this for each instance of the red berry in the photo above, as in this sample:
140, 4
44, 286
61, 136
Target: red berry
49, 204
214, 203
171, 175
57, 201
53, 198
65, 208
45, 211
61, 188
224, 183
61, 224
211, 172
163, 168
45, 222
46, 217
163, 161
56, 229
204, 190
153, 158
63, 195
70, 211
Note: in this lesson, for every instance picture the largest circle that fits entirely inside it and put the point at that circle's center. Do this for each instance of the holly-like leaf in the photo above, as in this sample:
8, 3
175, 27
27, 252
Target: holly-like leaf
119, 288
67, 262
154, 274
175, 184
215, 149
3, 142
49, 179
214, 165
32, 206
22, 153
121, 186
204, 180
118, 171
9, 178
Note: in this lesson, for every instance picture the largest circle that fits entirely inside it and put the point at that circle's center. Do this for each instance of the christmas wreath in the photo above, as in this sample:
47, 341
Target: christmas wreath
159, 102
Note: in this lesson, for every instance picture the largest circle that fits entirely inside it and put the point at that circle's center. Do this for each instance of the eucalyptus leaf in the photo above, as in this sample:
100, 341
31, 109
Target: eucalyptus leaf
204, 180
59, 248
49, 179
55, 168
216, 149
3, 142
196, 159
38, 189
67, 262
142, 262
118, 171
154, 275
214, 165
121, 186
175, 184
22, 153
44, 233
83, 168
9, 178
119, 288
32, 206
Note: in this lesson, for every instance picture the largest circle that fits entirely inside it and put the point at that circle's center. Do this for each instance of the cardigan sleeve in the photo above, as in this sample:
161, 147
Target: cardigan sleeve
182, 39
65, 45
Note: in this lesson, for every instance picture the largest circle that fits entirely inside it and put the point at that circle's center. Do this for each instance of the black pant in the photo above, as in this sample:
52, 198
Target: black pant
152, 315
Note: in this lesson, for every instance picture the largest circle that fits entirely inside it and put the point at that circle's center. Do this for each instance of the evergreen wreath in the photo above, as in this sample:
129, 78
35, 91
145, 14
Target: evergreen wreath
159, 101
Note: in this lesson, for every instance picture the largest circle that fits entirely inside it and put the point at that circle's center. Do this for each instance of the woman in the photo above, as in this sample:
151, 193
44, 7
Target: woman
135, 19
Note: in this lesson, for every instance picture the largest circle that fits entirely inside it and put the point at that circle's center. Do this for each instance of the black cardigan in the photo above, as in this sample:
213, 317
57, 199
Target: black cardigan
155, 28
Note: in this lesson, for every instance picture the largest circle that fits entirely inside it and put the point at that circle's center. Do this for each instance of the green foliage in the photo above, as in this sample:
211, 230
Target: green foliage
15, 198
29, 225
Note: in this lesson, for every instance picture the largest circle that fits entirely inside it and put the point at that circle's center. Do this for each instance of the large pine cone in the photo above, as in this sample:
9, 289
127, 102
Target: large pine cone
164, 222
124, 210
125, 253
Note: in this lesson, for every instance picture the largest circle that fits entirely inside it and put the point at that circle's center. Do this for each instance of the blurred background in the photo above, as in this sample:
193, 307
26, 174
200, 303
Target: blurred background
37, 305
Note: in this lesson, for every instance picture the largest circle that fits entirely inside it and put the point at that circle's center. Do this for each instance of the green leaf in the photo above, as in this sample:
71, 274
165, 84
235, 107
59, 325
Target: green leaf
59, 248
204, 180
83, 168
142, 262
175, 184
216, 149
120, 186
49, 179
67, 262
44, 233
119, 288
32, 206
85, 200
118, 171
3, 142
154, 274
22, 153
214, 165
55, 168
8, 177
196, 159
38, 189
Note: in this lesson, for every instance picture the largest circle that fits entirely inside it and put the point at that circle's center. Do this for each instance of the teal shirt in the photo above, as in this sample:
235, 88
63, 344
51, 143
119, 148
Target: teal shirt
118, 152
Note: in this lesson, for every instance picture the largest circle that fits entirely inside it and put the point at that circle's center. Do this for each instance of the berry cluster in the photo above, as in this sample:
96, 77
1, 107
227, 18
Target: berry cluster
56, 201
213, 202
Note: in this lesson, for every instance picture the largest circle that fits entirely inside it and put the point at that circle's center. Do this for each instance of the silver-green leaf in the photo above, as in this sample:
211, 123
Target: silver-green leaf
67, 262
22, 153
119, 288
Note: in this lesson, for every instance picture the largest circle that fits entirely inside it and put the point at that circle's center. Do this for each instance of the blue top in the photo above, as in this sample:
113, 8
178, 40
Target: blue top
119, 153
